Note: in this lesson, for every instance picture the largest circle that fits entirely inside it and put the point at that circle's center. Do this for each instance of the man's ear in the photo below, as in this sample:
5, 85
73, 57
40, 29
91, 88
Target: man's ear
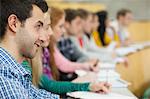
13, 22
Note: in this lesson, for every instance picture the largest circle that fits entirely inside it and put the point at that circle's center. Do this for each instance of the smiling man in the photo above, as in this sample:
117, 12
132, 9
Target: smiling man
21, 35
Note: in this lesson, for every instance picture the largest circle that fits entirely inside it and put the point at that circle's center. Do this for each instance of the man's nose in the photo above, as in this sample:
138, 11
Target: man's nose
50, 32
43, 36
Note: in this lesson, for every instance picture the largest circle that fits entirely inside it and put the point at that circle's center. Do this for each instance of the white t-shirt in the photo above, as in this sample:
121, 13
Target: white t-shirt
122, 32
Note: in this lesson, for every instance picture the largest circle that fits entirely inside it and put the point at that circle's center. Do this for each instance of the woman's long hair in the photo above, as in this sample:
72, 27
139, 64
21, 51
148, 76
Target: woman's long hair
103, 16
36, 63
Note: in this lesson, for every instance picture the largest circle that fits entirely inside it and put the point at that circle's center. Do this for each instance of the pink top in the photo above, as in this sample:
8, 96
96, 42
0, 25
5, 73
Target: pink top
65, 65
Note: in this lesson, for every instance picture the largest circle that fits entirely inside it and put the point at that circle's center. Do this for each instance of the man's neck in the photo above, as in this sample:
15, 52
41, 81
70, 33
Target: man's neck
121, 24
79, 34
11, 48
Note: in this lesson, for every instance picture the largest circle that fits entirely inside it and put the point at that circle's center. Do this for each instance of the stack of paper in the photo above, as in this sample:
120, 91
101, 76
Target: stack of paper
119, 83
107, 65
91, 95
101, 74
123, 51
119, 60
137, 46
140, 46
80, 72
146, 44
108, 74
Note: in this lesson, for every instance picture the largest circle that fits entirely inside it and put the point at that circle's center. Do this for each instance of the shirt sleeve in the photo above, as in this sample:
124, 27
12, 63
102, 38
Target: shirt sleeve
61, 87
10, 89
65, 65
42, 94
81, 57
147, 94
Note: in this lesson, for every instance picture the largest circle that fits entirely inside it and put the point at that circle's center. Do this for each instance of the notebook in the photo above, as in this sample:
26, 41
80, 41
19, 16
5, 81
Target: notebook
123, 51
104, 65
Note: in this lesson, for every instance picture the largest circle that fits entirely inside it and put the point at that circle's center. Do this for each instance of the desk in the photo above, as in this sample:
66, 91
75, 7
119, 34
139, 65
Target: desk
138, 71
123, 91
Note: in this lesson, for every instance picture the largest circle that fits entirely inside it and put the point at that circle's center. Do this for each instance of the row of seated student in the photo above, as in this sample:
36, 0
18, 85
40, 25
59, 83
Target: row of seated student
71, 40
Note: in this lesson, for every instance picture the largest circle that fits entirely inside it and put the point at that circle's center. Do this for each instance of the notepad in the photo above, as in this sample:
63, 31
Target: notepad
108, 73
92, 95
80, 72
105, 65
109, 76
123, 51
101, 73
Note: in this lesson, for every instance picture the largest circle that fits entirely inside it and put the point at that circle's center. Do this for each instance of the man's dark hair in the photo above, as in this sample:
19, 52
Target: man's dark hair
71, 14
21, 8
83, 13
123, 12
41, 4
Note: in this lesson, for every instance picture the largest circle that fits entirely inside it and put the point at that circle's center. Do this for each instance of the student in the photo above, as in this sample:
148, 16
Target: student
103, 39
74, 27
65, 66
124, 19
95, 33
20, 36
45, 80
69, 49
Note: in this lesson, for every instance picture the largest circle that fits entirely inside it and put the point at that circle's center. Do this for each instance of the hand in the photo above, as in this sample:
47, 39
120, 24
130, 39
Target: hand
93, 61
101, 87
94, 66
126, 62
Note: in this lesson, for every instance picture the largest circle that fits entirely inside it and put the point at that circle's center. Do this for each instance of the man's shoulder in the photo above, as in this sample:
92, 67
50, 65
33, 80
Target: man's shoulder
7, 72
4, 67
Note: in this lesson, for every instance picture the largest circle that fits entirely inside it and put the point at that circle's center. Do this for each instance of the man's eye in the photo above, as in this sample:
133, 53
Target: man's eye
38, 26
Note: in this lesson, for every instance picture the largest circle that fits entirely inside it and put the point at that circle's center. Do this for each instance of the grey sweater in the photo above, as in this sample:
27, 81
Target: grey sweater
91, 50
70, 50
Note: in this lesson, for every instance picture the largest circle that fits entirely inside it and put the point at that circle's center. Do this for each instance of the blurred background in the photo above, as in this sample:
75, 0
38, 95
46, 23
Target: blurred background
140, 9
139, 29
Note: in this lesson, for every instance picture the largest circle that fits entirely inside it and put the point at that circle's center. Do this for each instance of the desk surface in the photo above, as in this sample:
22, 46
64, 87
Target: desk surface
123, 91
137, 73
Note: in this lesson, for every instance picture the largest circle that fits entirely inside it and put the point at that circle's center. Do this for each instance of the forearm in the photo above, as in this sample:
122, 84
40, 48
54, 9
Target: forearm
62, 87
65, 65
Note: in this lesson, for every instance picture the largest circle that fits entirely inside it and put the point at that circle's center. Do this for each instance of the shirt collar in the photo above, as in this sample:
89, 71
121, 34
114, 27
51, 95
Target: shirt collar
13, 64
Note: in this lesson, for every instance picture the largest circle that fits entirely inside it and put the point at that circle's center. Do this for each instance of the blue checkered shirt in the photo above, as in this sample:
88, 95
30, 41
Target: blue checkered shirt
15, 81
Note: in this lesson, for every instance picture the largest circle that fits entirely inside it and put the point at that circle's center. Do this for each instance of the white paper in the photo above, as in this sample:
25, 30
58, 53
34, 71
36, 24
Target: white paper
91, 95
101, 74
106, 65
80, 72
123, 51
108, 73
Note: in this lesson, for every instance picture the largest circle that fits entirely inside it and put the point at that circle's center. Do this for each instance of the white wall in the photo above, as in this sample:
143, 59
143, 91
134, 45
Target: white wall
140, 8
